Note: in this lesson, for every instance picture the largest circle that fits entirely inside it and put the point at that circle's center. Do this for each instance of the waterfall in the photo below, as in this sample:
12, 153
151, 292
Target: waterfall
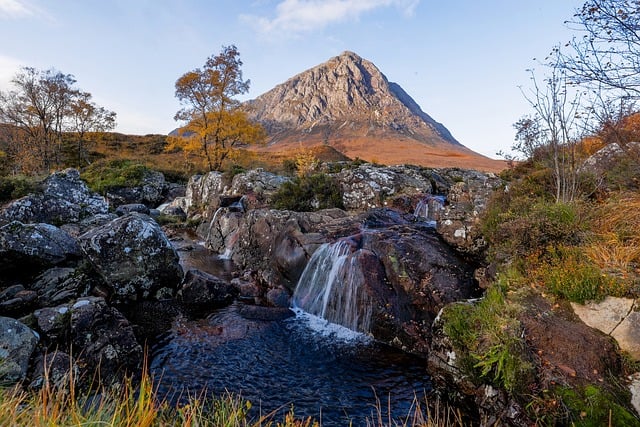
213, 221
429, 208
332, 287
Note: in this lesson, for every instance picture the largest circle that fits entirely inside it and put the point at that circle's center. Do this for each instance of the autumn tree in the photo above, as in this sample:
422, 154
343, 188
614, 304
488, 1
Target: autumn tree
43, 106
85, 116
214, 122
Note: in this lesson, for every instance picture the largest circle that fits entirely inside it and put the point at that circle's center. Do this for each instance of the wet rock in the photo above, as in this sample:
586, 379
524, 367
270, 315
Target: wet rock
256, 312
422, 269
151, 319
149, 192
26, 249
65, 199
273, 242
55, 370
134, 258
279, 297
17, 343
175, 212
132, 207
104, 340
202, 292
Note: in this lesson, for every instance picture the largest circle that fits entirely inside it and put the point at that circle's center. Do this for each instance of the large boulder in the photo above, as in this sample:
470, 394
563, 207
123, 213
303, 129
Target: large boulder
103, 340
134, 258
27, 249
65, 199
17, 342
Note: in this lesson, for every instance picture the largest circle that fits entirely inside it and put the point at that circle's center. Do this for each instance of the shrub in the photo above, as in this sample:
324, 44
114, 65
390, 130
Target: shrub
572, 275
488, 339
309, 193
14, 187
103, 176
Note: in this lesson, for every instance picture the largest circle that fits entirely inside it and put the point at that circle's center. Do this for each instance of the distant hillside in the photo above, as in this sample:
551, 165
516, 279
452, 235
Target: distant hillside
348, 104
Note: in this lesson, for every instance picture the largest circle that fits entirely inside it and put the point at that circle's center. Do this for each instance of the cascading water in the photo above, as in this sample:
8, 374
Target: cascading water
331, 287
429, 208
213, 221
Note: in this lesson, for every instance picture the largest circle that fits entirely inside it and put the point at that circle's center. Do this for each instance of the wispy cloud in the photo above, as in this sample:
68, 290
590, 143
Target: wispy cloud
298, 16
8, 69
12, 9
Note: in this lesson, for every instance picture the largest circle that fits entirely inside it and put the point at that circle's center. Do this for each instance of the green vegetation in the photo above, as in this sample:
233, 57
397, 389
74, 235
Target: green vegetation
16, 186
309, 193
102, 176
488, 340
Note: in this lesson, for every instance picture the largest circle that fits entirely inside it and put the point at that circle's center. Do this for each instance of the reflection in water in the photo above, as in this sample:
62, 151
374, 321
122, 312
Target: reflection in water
275, 364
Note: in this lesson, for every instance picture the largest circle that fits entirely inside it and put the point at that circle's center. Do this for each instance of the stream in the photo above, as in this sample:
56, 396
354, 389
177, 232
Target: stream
321, 369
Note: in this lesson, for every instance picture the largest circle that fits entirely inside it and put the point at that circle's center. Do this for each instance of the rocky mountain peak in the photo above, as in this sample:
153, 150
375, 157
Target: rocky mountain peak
346, 92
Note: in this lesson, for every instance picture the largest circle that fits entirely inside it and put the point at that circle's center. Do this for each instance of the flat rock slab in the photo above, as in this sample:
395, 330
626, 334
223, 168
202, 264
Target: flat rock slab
616, 317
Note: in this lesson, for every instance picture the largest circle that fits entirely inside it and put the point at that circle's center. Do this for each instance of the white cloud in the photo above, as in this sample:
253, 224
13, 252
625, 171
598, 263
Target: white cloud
297, 16
8, 69
15, 9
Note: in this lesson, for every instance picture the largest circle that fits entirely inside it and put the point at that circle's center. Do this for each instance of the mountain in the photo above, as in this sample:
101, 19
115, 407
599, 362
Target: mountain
348, 104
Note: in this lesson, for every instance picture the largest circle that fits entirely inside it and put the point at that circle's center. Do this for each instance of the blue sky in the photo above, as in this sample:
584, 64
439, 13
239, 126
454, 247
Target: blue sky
461, 60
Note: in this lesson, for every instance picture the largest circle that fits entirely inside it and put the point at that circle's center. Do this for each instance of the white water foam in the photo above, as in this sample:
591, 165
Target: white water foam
324, 328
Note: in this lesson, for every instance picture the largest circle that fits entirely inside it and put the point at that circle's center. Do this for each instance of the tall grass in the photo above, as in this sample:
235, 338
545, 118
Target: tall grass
137, 405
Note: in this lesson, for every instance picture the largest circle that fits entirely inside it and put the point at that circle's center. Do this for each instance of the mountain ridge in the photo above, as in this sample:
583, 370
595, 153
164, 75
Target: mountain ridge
349, 104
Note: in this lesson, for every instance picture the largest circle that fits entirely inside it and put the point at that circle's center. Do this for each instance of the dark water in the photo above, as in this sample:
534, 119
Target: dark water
326, 372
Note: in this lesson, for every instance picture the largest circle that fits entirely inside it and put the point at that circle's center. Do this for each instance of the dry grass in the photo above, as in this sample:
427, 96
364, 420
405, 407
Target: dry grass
615, 246
130, 405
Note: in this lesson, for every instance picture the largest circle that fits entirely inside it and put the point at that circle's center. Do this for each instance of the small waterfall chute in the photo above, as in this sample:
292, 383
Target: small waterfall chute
429, 209
332, 287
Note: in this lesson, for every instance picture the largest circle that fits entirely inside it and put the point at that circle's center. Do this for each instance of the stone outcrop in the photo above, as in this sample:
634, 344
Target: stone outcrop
134, 258
202, 292
65, 199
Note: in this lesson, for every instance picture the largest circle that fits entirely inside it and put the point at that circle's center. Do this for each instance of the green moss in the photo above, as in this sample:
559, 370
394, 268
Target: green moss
593, 406
103, 176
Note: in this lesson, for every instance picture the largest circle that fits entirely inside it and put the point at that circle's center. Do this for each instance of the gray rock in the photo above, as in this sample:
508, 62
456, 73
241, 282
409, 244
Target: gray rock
61, 284
104, 340
65, 199
132, 207
134, 258
53, 324
616, 317
29, 248
17, 343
